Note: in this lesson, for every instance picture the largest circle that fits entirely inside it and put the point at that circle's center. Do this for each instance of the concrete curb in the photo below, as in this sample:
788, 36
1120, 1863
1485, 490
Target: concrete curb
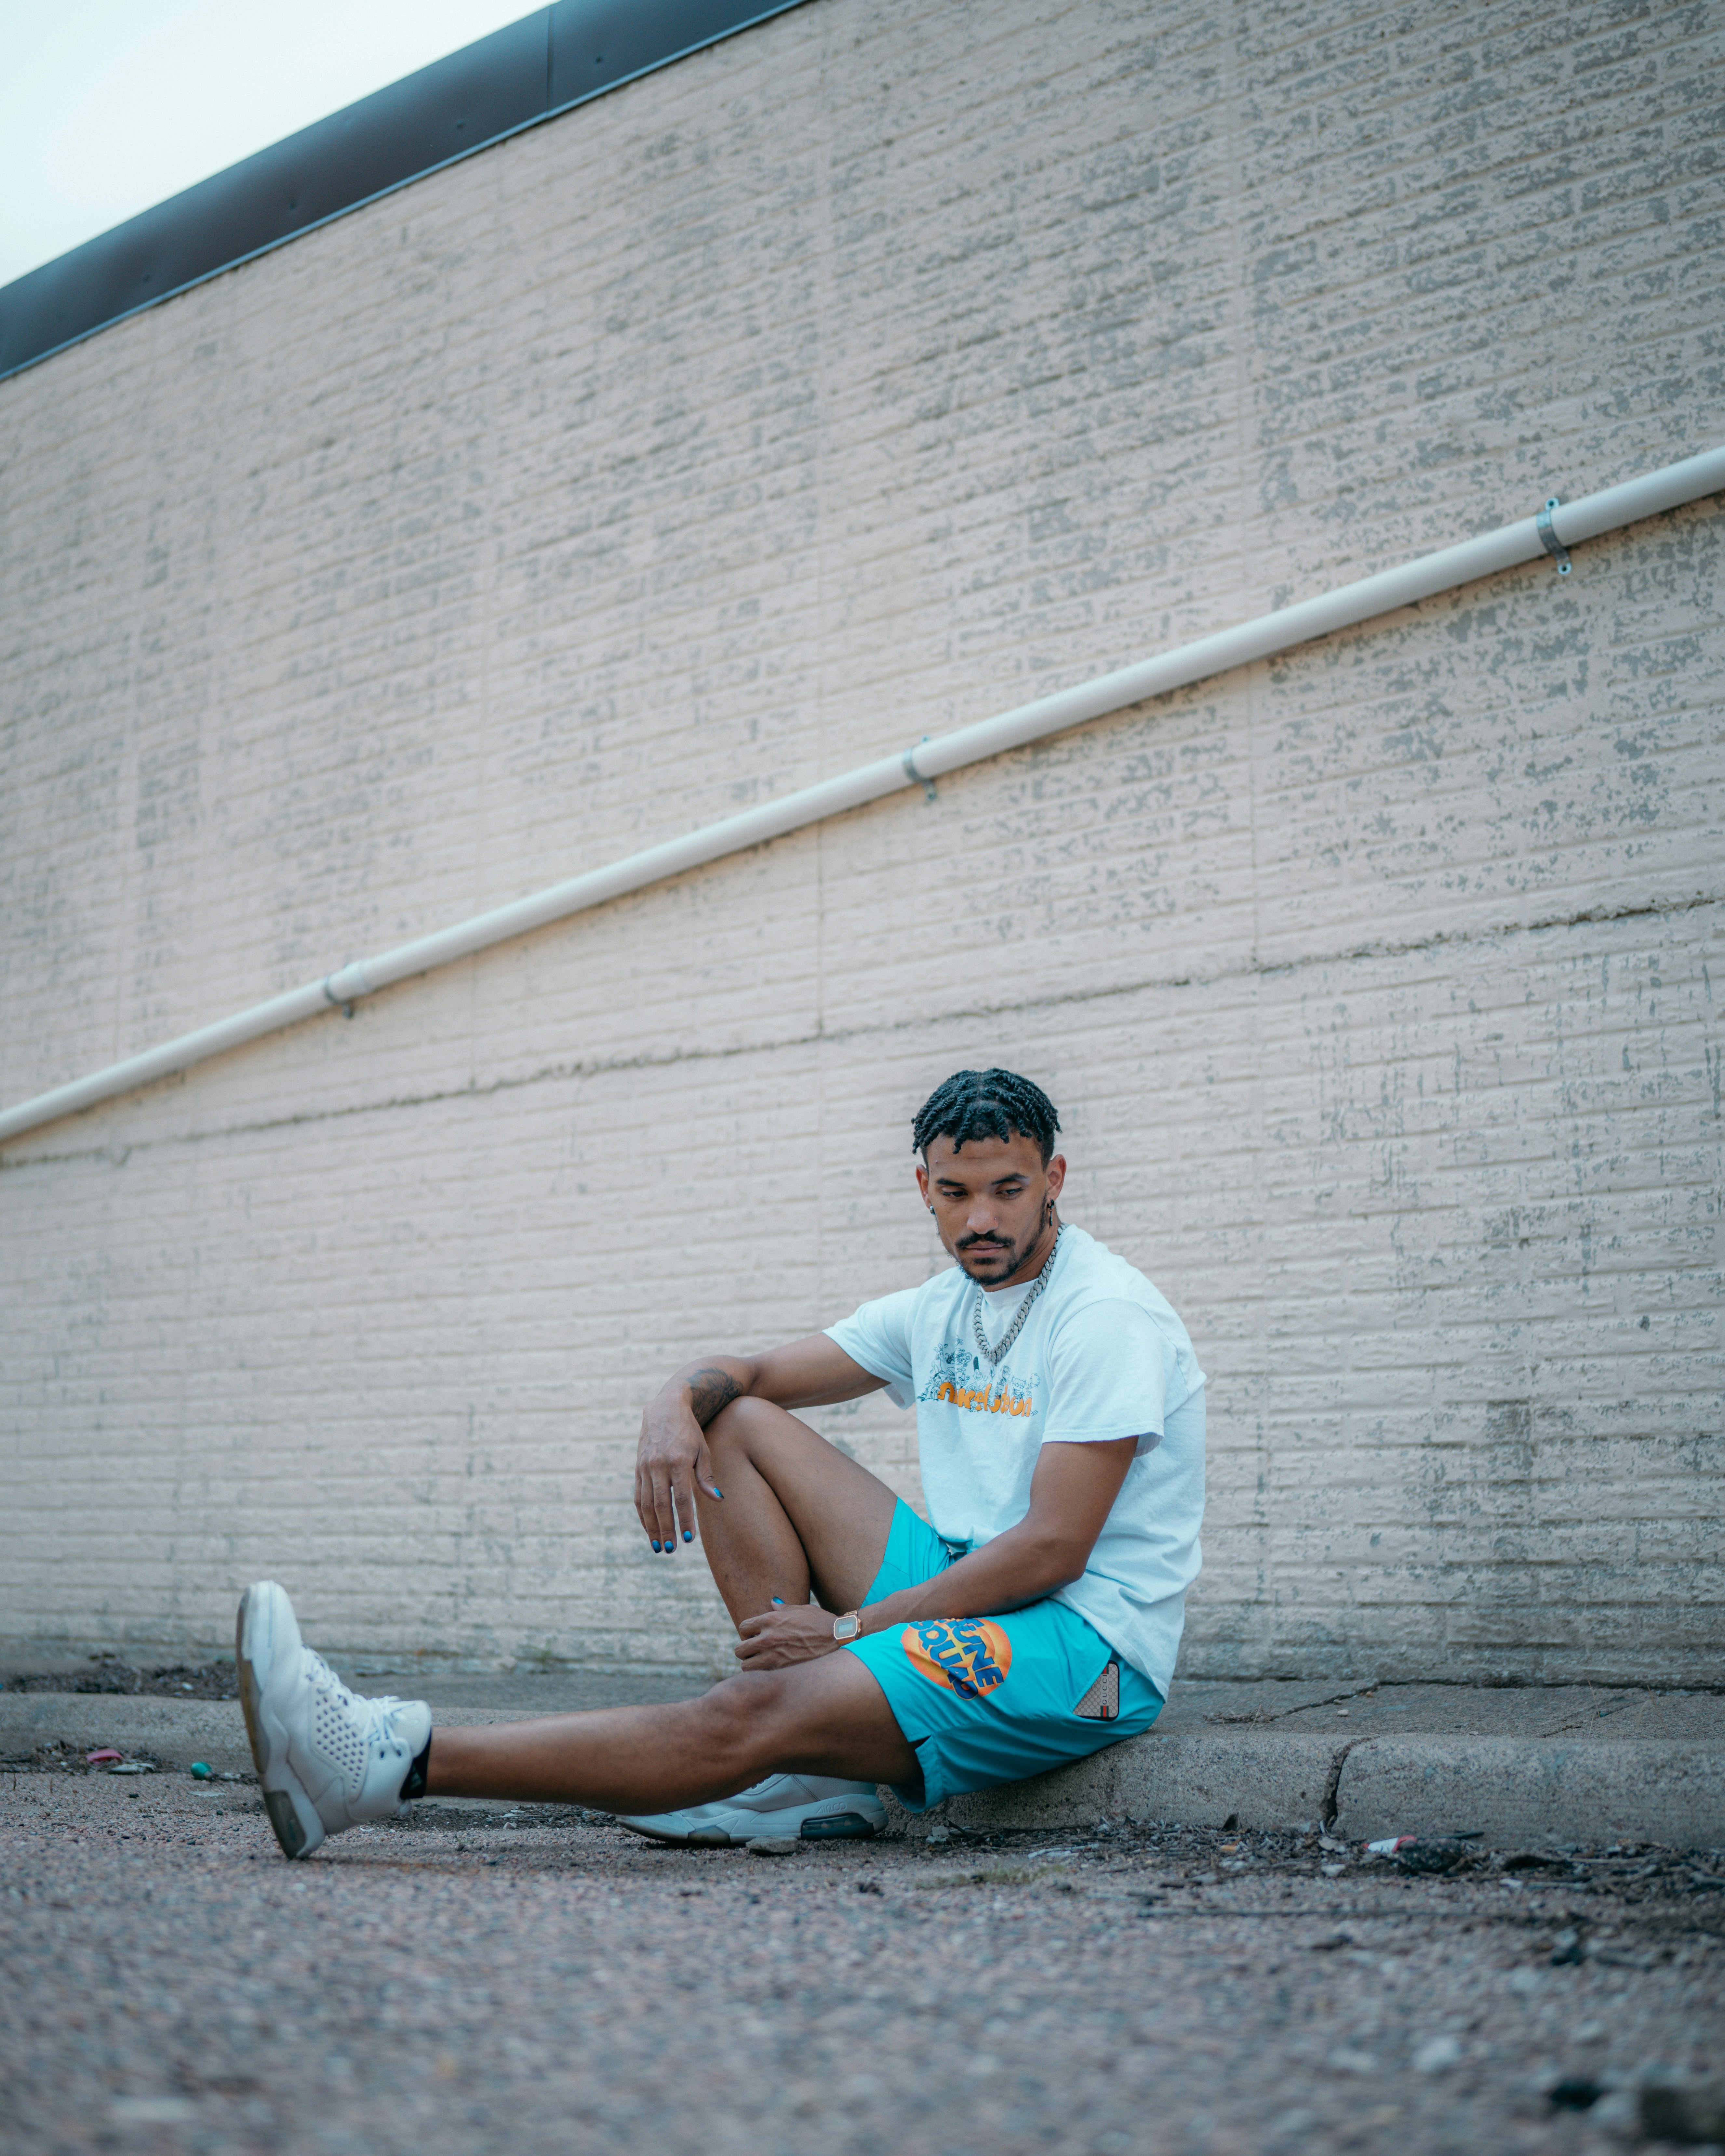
172, 1731
1518, 1790
1510, 1791
1195, 1779
175, 1732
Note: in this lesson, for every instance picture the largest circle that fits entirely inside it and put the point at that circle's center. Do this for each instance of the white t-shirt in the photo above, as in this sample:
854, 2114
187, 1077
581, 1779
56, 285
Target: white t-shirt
1101, 1355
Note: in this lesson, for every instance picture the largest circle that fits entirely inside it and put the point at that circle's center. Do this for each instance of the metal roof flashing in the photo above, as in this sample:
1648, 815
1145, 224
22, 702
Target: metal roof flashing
531, 71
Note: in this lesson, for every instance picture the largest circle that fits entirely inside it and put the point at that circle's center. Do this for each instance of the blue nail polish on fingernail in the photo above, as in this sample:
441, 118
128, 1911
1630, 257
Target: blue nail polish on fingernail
688, 1534
655, 1545
718, 1492
778, 1601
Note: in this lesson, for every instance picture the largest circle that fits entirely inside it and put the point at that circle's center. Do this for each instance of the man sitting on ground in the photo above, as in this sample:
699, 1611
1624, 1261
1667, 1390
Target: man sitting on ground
1033, 1619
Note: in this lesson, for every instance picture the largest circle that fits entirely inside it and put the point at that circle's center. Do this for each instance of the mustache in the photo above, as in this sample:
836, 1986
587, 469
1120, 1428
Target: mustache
984, 1242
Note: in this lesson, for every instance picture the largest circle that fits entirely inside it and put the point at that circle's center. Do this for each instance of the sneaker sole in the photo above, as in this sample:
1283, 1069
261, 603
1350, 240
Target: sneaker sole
269, 1742
833, 1826
838, 1826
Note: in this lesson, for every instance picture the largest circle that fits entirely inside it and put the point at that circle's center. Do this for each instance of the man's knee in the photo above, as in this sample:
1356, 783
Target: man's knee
737, 1425
743, 1712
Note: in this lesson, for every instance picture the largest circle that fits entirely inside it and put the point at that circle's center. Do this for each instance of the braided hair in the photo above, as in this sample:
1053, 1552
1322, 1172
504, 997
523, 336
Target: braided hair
986, 1104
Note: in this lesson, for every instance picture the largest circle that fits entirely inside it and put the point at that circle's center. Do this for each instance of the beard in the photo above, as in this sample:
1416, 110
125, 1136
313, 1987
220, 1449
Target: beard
988, 1264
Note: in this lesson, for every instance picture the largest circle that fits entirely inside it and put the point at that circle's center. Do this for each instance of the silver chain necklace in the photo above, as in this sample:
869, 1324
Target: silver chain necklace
991, 1356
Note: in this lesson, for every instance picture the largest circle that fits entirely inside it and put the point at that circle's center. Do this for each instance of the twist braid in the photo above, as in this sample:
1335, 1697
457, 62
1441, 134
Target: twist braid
986, 1104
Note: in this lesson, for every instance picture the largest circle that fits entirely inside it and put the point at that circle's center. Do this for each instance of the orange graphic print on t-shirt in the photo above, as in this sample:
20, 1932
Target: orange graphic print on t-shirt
1003, 1399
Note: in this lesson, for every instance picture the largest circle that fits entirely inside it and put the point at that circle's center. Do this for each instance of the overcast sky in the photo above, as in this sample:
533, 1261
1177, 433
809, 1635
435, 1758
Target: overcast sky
109, 106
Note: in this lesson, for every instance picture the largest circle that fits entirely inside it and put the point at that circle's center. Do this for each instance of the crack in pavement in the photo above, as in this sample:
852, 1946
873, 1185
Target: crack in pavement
1330, 1806
1263, 1718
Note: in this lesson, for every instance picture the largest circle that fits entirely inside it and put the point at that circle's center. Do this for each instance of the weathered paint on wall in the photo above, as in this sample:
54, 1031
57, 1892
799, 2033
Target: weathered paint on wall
867, 373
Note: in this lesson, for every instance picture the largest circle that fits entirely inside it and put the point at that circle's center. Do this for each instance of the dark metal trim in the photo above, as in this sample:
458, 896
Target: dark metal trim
548, 63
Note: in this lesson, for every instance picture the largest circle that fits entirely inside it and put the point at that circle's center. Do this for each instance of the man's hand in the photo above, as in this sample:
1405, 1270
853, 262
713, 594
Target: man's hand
1072, 1492
790, 1632
673, 1455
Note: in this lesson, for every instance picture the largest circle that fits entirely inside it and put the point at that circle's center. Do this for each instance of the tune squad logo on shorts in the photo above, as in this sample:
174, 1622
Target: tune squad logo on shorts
969, 1655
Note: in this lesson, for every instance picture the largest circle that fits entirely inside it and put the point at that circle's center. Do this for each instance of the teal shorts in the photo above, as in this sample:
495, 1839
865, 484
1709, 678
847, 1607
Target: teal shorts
986, 1700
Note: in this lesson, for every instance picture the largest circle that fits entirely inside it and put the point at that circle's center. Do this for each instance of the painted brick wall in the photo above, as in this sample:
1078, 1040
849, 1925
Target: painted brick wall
861, 377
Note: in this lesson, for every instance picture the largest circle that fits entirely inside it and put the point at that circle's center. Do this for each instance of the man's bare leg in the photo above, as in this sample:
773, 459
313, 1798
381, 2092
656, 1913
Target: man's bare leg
329, 1759
824, 1717
798, 1517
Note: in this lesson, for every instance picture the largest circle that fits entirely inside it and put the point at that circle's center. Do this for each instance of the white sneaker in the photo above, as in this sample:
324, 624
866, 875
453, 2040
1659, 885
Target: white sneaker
812, 1806
327, 1758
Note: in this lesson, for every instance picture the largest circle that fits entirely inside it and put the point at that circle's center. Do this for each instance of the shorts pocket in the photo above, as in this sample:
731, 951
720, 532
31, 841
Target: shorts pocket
1101, 1702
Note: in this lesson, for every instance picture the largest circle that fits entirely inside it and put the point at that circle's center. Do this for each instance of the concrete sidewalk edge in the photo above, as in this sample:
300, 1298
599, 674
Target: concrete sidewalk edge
1509, 1791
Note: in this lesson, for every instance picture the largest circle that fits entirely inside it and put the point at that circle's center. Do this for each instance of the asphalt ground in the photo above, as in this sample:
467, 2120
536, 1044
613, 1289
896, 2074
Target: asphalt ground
472, 1978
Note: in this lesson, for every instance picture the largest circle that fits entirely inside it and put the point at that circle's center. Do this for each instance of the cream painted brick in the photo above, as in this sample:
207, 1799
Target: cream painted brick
867, 374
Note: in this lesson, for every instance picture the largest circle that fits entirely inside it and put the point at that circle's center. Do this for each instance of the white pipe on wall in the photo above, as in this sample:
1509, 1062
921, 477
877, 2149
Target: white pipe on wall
1552, 532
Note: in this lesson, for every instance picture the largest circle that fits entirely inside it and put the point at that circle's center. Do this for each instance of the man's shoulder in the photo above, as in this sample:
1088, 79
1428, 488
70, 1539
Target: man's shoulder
936, 1291
1096, 1275
1091, 1269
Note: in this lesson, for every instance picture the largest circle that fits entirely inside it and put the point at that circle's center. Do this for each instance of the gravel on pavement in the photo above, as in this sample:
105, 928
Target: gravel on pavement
471, 1978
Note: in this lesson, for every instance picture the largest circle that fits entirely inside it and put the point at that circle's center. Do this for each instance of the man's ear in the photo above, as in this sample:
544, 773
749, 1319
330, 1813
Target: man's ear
1056, 1175
922, 1185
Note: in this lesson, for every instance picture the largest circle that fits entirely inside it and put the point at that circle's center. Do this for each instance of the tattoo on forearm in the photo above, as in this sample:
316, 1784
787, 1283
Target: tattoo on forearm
710, 1390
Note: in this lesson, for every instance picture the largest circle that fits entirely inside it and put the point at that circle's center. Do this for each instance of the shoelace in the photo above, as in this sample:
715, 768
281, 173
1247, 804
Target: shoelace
380, 1720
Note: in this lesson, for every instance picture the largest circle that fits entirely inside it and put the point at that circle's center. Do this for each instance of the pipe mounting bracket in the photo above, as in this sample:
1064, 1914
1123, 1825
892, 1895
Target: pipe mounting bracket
1549, 539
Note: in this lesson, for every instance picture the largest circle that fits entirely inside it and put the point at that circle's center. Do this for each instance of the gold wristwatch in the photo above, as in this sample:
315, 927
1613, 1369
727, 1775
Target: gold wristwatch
848, 1627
